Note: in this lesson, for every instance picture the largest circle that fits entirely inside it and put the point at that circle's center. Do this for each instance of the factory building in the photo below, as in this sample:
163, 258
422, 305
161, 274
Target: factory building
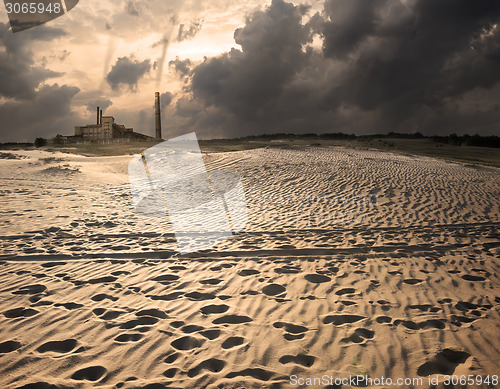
106, 129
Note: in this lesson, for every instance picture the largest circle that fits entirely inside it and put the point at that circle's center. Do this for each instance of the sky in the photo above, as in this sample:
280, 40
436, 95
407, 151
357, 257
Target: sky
228, 68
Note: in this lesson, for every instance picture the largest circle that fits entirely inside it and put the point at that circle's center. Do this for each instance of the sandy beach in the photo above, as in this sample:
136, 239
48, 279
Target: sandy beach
353, 262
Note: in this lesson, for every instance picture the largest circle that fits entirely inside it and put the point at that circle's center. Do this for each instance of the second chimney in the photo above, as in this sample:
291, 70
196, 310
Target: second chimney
157, 115
97, 115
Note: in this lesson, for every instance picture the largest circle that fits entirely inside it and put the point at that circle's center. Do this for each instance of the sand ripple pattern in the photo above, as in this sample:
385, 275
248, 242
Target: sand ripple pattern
92, 296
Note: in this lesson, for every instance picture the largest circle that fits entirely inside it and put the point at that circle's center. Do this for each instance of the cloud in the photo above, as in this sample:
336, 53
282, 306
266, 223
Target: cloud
46, 115
188, 32
127, 71
101, 103
19, 74
400, 59
165, 99
30, 107
131, 9
249, 83
384, 66
181, 67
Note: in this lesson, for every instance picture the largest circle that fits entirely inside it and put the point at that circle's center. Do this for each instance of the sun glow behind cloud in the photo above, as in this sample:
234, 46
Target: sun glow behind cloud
98, 33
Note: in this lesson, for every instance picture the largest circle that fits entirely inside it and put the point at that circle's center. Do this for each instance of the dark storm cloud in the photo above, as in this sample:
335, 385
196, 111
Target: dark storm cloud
181, 67
349, 22
249, 83
188, 32
31, 108
19, 74
165, 99
386, 65
127, 71
101, 103
407, 57
46, 115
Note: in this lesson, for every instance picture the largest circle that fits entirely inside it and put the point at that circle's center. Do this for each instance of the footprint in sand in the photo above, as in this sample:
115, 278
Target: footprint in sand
177, 324
273, 289
103, 296
299, 359
213, 308
92, 373
431, 323
105, 314
9, 346
20, 312
249, 293
197, 296
123, 338
317, 278
287, 269
58, 346
413, 281
36, 301
248, 272
232, 319
344, 291
69, 306
459, 320
256, 373
233, 341
190, 328
469, 277
170, 373
166, 297
186, 343
424, 307
445, 362
166, 278
213, 364
293, 331
141, 321
120, 273
152, 312
172, 358
383, 319
464, 306
347, 302
211, 281
31, 289
360, 335
210, 334
100, 280
177, 267
342, 319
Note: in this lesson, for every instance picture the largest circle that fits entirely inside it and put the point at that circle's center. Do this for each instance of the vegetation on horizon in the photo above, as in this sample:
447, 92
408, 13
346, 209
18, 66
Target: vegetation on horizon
453, 139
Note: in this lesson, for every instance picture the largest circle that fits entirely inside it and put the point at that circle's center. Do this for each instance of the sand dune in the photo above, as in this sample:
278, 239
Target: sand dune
352, 262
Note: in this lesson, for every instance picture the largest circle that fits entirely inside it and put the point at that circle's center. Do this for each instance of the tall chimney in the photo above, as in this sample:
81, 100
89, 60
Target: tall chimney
100, 117
97, 115
157, 115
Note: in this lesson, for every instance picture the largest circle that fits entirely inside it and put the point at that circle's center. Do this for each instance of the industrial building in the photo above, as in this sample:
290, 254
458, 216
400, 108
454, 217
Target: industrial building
106, 129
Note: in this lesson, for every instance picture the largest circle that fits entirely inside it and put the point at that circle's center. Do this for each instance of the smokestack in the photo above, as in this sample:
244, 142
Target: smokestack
157, 115
97, 115
100, 117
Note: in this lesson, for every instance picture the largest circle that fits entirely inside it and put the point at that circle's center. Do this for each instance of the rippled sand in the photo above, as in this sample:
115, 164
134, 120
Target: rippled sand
352, 262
